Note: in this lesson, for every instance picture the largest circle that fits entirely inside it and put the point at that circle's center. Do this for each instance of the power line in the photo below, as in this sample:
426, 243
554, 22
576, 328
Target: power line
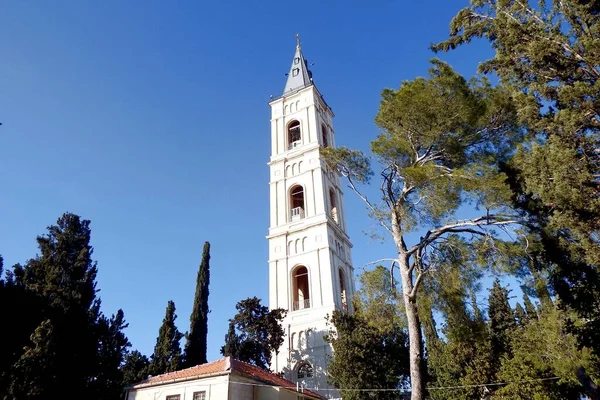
403, 390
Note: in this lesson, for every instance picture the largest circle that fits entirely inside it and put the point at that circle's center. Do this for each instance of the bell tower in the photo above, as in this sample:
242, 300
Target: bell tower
310, 267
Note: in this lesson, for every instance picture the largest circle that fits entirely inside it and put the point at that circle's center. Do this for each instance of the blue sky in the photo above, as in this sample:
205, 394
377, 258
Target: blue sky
151, 120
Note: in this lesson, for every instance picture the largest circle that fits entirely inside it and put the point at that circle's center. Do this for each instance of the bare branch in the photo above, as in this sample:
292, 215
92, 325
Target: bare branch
413, 293
393, 260
371, 207
462, 227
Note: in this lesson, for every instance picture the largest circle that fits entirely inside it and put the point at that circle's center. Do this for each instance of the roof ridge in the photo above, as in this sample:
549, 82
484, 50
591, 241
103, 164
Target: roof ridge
188, 368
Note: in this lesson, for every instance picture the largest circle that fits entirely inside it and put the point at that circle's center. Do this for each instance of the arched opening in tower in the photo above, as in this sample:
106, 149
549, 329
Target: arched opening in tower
324, 133
294, 136
305, 370
343, 296
333, 204
297, 202
300, 287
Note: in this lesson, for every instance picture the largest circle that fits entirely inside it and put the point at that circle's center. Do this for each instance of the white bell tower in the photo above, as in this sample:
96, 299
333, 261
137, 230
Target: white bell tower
310, 268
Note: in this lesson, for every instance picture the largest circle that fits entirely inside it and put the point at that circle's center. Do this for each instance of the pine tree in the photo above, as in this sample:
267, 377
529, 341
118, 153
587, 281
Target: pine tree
255, 333
501, 322
21, 305
70, 343
548, 54
112, 347
378, 299
195, 346
442, 140
167, 352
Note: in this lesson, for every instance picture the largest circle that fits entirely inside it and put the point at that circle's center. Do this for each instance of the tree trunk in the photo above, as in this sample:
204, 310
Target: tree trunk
414, 332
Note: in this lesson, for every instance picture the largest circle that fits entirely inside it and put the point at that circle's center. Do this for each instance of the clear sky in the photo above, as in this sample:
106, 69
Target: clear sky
150, 118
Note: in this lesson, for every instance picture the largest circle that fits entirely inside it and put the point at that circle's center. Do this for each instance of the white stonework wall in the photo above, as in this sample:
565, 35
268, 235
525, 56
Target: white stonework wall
216, 388
224, 387
317, 241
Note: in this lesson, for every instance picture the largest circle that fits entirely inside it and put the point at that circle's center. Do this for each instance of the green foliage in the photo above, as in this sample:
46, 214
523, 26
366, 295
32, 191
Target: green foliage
521, 315
135, 368
255, 333
167, 351
529, 308
357, 343
112, 346
443, 139
543, 349
501, 323
462, 356
62, 339
377, 299
195, 346
548, 54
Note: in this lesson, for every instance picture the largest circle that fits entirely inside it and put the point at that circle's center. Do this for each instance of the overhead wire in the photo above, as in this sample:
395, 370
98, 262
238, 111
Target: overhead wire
401, 389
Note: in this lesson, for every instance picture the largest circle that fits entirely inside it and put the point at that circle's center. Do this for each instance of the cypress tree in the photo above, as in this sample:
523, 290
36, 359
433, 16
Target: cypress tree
167, 352
195, 346
521, 315
529, 308
501, 322
232, 340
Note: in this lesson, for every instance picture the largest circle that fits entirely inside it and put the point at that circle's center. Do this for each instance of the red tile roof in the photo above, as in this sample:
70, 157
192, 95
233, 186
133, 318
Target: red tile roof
219, 367
265, 376
210, 368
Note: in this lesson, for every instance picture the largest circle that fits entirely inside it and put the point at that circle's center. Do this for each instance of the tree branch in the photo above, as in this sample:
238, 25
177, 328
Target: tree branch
462, 227
413, 293
393, 260
371, 207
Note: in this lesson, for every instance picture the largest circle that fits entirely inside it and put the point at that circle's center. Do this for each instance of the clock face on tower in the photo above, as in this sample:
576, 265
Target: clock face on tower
310, 268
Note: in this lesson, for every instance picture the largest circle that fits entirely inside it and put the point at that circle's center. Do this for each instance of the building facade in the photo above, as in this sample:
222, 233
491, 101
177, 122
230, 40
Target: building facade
224, 379
310, 266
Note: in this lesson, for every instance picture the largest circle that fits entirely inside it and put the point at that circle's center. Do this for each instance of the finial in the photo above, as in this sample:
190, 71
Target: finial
298, 40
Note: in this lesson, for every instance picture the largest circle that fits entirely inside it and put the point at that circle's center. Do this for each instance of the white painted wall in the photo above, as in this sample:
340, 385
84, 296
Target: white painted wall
224, 387
317, 241
216, 389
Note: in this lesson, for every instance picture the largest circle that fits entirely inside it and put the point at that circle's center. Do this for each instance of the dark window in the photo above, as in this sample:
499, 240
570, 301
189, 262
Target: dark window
199, 396
296, 60
332, 203
305, 370
343, 291
294, 135
173, 397
295, 71
297, 203
324, 131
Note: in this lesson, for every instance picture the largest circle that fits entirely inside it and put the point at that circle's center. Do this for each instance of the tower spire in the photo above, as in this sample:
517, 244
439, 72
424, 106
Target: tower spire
299, 76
